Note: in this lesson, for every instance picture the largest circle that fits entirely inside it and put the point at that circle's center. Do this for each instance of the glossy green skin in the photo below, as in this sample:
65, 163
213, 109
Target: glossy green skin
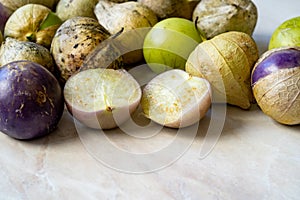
169, 43
286, 34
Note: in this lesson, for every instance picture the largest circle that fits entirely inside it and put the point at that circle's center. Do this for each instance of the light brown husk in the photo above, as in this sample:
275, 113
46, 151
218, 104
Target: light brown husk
169, 8
15, 4
13, 50
127, 17
67, 9
226, 61
219, 16
73, 41
278, 95
26, 21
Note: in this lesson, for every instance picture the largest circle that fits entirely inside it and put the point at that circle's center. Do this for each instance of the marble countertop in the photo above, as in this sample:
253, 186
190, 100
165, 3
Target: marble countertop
232, 154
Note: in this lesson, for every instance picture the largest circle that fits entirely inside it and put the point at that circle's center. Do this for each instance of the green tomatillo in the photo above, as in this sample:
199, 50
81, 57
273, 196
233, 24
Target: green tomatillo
169, 43
286, 34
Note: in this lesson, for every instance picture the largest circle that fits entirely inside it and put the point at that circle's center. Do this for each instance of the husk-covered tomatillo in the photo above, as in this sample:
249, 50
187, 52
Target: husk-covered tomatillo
34, 23
169, 8
219, 16
226, 61
127, 15
276, 84
130, 17
119, 1
14, 50
15, 4
75, 39
67, 9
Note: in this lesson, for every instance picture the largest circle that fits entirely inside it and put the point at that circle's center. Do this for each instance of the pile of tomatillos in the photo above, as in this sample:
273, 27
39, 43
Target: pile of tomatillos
102, 60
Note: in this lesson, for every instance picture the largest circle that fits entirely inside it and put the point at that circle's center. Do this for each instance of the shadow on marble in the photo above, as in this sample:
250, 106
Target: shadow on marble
62, 134
235, 120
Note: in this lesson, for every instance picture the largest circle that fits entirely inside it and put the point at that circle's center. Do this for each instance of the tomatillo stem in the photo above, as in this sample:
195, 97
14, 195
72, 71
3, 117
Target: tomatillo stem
31, 37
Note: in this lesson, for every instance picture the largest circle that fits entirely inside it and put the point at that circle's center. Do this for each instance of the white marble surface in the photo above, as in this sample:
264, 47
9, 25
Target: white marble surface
254, 158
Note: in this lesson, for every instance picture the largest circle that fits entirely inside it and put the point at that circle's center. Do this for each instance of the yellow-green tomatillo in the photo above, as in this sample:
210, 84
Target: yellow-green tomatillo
169, 43
286, 34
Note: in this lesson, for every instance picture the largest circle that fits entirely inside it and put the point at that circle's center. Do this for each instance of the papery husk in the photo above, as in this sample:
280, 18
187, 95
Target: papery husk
220, 16
120, 1
127, 17
105, 55
26, 21
73, 41
169, 8
15, 4
226, 61
14, 50
278, 95
67, 9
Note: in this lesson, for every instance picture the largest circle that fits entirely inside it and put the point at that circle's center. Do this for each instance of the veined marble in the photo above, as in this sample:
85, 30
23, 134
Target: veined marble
254, 158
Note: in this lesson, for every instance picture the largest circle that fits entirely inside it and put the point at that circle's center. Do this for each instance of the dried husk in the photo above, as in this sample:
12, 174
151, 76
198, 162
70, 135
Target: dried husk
226, 61
278, 95
120, 1
129, 17
219, 16
169, 8
105, 55
73, 41
15, 4
14, 50
25, 25
67, 9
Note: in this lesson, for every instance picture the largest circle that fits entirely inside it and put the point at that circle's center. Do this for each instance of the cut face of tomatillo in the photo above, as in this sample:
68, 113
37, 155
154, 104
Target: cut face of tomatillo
102, 98
176, 99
